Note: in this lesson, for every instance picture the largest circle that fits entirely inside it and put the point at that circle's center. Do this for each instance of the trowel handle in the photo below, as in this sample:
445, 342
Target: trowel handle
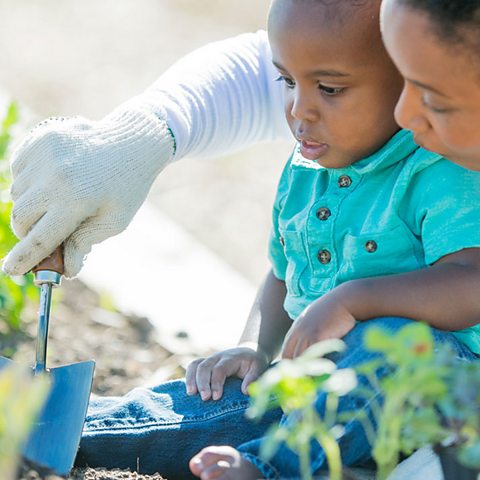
50, 270
48, 274
54, 262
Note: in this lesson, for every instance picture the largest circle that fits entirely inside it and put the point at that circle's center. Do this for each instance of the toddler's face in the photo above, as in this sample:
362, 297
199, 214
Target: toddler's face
341, 87
440, 102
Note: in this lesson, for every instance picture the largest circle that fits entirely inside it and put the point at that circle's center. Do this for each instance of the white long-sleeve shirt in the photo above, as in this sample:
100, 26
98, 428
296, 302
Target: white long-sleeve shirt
221, 97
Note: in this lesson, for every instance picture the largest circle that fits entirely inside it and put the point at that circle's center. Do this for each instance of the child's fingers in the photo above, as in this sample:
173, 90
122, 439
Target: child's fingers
190, 376
215, 471
300, 347
204, 377
219, 375
288, 348
225, 367
207, 376
211, 462
250, 377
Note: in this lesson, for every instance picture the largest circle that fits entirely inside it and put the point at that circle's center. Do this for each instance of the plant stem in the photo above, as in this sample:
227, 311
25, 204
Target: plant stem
305, 461
331, 408
329, 445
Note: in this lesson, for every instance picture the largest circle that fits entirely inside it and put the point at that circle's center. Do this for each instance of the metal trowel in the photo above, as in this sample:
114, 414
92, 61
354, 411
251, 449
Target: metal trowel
54, 439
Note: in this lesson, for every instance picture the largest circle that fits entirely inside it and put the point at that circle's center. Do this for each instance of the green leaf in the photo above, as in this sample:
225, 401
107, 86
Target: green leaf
271, 441
21, 398
341, 382
469, 455
11, 117
13, 293
323, 348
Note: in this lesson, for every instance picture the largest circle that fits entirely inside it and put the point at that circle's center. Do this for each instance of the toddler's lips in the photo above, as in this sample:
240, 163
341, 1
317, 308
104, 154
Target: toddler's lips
312, 150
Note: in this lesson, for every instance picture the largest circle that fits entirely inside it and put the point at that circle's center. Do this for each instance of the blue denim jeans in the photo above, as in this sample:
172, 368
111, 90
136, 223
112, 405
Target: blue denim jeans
159, 429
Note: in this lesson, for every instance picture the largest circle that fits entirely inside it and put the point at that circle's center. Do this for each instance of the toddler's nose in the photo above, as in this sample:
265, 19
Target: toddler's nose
304, 108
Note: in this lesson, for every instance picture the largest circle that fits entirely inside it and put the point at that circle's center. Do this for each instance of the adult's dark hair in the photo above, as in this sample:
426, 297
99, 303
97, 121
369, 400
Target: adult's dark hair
453, 20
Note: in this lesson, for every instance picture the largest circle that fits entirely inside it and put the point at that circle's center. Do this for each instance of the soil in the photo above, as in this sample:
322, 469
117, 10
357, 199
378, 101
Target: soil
125, 348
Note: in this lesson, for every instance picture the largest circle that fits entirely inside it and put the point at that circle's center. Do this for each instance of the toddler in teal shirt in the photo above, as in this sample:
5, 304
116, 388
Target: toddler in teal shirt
368, 229
399, 210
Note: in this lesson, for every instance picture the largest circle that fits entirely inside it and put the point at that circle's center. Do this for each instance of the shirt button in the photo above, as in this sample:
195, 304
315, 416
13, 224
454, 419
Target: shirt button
344, 181
371, 246
324, 257
282, 241
323, 213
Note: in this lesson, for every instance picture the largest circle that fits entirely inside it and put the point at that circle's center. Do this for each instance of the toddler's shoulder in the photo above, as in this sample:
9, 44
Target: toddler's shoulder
430, 171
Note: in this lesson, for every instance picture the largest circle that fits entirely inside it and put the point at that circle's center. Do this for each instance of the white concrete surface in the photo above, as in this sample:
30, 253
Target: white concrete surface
155, 269
422, 465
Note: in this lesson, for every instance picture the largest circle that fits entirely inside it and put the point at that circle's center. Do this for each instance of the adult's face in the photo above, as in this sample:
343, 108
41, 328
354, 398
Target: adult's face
440, 101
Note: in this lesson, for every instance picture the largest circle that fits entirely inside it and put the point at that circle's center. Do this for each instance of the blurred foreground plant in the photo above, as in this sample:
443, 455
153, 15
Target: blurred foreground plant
409, 417
13, 293
21, 398
430, 397
293, 385
461, 412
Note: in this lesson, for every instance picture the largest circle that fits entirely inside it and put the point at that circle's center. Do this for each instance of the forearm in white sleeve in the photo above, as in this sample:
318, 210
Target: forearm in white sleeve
222, 97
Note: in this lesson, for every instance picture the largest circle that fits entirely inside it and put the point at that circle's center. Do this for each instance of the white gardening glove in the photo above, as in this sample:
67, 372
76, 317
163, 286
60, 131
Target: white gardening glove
78, 182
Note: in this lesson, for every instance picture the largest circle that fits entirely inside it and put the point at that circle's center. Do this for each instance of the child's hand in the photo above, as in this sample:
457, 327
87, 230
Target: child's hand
207, 375
325, 318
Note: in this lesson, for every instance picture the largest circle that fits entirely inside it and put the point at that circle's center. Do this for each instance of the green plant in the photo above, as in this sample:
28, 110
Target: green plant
417, 379
429, 397
460, 411
13, 293
293, 385
21, 397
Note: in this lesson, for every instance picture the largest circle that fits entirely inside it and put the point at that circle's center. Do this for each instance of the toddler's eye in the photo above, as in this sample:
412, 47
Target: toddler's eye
331, 91
288, 81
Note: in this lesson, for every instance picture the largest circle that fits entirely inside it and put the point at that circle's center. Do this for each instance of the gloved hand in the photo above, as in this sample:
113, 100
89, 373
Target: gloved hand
78, 182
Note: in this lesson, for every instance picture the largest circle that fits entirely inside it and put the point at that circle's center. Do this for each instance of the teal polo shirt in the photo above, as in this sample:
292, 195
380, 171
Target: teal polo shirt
398, 210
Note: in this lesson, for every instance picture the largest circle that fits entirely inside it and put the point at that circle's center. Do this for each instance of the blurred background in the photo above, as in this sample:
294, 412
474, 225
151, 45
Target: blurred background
72, 57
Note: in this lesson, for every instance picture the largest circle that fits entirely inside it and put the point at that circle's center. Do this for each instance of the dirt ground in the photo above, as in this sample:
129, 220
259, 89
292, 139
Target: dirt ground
27, 472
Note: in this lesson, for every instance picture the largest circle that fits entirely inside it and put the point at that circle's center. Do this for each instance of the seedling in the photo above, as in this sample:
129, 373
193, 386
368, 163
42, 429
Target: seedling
294, 385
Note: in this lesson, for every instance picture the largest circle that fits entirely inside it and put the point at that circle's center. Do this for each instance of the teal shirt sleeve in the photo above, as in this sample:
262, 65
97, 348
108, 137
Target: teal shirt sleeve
448, 209
276, 253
